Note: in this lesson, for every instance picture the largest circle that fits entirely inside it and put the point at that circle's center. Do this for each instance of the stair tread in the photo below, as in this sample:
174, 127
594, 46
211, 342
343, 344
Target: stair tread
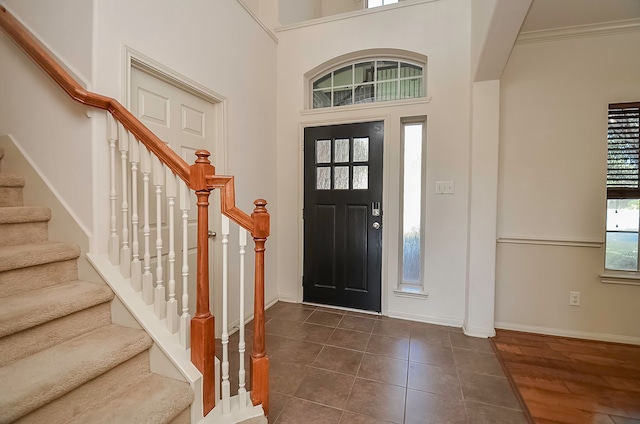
10, 180
28, 309
40, 378
25, 255
21, 214
155, 399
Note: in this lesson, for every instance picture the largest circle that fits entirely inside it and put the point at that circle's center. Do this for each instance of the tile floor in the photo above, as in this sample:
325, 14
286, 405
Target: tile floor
330, 366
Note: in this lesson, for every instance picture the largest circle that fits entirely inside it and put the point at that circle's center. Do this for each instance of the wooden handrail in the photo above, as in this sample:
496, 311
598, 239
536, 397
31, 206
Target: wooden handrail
201, 178
21, 36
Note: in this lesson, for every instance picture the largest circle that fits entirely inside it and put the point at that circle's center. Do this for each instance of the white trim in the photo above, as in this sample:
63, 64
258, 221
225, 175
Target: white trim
259, 22
288, 298
446, 321
620, 277
606, 337
365, 106
421, 295
353, 14
550, 241
135, 59
478, 332
591, 30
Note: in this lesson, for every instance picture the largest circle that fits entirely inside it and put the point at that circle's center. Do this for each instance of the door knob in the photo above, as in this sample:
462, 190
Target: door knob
376, 225
212, 234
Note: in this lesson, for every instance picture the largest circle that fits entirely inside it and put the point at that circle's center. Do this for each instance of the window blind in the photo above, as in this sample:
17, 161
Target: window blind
623, 158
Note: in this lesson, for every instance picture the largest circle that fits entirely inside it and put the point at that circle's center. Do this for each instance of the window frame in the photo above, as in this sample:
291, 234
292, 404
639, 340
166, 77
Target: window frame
619, 191
384, 3
408, 286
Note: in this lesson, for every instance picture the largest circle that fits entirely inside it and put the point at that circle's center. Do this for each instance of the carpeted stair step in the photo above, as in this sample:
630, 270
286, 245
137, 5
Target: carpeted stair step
36, 320
11, 190
38, 379
23, 225
31, 266
154, 400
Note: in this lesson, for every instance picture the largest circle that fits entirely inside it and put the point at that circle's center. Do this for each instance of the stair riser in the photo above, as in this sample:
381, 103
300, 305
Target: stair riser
11, 196
24, 279
97, 391
23, 233
27, 342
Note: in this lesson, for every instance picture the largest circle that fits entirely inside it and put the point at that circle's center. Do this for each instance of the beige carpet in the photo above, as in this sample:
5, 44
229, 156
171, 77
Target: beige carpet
61, 358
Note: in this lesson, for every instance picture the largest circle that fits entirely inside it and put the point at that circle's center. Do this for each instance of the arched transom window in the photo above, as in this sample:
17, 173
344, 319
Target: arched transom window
368, 81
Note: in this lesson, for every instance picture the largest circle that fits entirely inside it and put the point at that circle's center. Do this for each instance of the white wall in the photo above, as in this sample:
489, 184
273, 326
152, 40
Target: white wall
292, 11
334, 7
217, 44
552, 185
440, 31
53, 131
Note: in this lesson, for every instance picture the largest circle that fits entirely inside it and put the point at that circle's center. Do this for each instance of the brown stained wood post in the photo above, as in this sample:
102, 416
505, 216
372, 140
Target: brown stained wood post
259, 360
202, 324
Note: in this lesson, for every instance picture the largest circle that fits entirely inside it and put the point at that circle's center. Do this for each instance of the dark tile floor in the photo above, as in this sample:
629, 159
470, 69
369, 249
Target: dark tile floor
331, 366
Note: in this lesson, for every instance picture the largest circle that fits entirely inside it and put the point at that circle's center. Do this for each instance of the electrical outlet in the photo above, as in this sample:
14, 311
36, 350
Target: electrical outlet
574, 298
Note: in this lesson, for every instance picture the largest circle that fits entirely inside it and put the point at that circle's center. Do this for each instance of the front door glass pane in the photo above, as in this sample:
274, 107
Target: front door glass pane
361, 149
323, 178
342, 150
360, 177
323, 151
341, 178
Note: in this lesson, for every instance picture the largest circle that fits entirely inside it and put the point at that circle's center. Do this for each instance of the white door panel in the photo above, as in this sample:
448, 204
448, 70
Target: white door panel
186, 123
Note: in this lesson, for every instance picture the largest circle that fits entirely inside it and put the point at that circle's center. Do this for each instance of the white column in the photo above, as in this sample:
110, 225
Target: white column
483, 206
242, 391
160, 306
226, 387
172, 303
147, 277
185, 317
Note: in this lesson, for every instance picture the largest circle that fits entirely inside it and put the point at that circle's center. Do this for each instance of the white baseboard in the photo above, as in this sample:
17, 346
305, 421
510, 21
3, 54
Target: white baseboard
446, 321
289, 298
478, 331
604, 337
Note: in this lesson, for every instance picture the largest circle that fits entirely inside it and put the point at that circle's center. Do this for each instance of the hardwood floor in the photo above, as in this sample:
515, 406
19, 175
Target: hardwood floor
565, 380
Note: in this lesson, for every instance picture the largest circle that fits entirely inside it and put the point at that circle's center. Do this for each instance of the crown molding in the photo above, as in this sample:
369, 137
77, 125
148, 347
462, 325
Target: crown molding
606, 28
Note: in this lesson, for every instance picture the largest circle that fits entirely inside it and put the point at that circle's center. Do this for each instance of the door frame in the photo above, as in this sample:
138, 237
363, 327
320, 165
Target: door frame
325, 121
134, 59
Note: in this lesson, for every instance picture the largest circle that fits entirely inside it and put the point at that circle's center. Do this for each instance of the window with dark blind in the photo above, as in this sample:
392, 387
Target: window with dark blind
623, 192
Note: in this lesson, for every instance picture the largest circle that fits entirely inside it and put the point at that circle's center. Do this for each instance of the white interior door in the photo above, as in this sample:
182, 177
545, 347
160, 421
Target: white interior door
187, 123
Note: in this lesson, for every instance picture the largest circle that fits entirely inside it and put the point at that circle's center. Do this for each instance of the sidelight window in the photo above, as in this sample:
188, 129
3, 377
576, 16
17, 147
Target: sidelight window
413, 173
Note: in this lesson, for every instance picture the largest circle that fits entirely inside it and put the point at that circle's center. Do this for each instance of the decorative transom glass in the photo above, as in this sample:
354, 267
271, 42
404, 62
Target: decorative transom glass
342, 164
368, 81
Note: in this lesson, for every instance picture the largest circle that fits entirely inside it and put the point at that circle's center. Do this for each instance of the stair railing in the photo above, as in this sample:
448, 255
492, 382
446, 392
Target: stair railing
148, 161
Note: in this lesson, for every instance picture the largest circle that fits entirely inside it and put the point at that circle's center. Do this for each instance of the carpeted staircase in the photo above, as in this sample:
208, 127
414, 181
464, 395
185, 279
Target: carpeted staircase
61, 358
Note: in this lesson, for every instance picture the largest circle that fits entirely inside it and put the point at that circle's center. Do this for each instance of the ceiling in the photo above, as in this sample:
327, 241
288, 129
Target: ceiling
550, 14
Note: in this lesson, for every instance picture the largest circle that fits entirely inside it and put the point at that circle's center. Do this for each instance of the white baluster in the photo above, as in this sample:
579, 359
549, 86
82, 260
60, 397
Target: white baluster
242, 391
185, 318
125, 251
160, 306
136, 265
114, 240
172, 303
226, 387
147, 277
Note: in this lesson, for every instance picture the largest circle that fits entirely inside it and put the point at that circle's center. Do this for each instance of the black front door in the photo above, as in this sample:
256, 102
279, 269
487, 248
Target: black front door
343, 215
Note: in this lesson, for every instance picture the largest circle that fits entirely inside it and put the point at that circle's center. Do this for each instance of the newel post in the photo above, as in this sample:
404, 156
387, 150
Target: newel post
202, 324
259, 360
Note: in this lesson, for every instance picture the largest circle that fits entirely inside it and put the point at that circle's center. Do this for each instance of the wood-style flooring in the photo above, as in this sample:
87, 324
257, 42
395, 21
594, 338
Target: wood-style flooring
566, 380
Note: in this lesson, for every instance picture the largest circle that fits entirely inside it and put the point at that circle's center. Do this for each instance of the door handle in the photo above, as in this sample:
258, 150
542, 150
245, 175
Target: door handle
211, 234
376, 225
